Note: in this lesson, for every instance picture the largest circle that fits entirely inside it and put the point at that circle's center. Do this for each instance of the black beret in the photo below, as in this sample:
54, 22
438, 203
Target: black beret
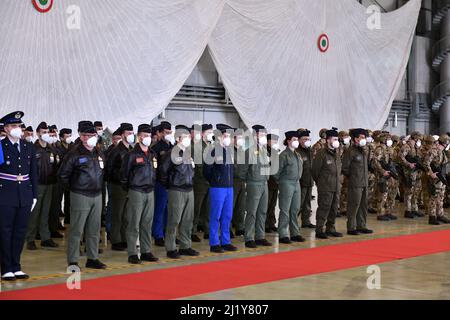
332, 133
355, 133
155, 130
42, 125
87, 128
126, 127
165, 125
208, 127
52, 128
29, 129
258, 128
23, 126
272, 136
2, 128
181, 129
117, 132
65, 131
145, 128
304, 133
291, 134
12, 118
98, 124
223, 127
84, 123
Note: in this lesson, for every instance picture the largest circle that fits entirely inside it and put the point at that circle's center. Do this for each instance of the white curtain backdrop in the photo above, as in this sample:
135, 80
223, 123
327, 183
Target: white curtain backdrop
129, 59
125, 63
268, 57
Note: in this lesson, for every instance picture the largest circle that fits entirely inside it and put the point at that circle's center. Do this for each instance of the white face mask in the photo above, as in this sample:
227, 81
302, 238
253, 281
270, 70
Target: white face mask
130, 138
240, 142
46, 138
295, 144
186, 142
363, 142
346, 141
263, 141
170, 138
308, 144
209, 137
16, 133
436, 138
389, 143
198, 137
419, 144
369, 140
29, 138
227, 141
92, 142
100, 132
276, 146
69, 140
147, 141
335, 144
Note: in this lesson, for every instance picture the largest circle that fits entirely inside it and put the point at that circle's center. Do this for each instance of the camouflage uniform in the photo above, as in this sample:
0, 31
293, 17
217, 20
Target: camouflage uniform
322, 143
384, 184
426, 148
437, 157
412, 178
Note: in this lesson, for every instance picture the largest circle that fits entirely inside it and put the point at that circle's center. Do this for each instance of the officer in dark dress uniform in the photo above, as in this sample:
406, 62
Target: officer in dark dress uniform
18, 194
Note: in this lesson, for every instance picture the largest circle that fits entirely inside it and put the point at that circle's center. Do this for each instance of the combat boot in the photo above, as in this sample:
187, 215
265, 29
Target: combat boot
433, 221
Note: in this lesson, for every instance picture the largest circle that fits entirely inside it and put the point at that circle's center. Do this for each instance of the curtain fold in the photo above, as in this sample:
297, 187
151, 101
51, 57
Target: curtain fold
268, 56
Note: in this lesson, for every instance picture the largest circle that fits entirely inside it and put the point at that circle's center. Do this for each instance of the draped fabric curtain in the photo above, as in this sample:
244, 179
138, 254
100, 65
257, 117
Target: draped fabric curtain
268, 56
129, 58
125, 63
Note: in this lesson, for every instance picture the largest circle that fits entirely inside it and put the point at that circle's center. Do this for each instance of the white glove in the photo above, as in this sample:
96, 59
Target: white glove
34, 203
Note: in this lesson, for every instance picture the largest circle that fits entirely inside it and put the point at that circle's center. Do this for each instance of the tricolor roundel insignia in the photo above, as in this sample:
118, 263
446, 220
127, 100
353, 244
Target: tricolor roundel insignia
324, 43
43, 6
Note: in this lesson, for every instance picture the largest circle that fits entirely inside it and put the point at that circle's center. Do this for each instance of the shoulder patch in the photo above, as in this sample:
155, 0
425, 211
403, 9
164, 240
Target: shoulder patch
82, 160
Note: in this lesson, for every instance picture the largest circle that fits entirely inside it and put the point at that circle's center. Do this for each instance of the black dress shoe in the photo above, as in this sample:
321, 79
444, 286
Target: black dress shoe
263, 242
409, 215
56, 235
195, 238
9, 277
149, 257
159, 242
321, 235
353, 233
216, 249
443, 219
308, 226
285, 240
31, 245
173, 254
240, 233
206, 236
334, 234
229, 247
49, 244
95, 264
391, 216
418, 214
383, 218
188, 252
117, 247
433, 221
365, 231
250, 244
134, 259
298, 239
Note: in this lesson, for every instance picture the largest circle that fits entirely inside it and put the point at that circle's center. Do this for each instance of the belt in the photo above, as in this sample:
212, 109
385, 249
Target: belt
13, 177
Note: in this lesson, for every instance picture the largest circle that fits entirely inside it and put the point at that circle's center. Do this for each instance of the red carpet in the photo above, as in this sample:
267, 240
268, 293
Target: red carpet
178, 282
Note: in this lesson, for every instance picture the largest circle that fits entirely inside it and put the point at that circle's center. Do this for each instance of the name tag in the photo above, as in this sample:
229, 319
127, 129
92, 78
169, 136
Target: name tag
82, 160
100, 162
139, 160
155, 163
